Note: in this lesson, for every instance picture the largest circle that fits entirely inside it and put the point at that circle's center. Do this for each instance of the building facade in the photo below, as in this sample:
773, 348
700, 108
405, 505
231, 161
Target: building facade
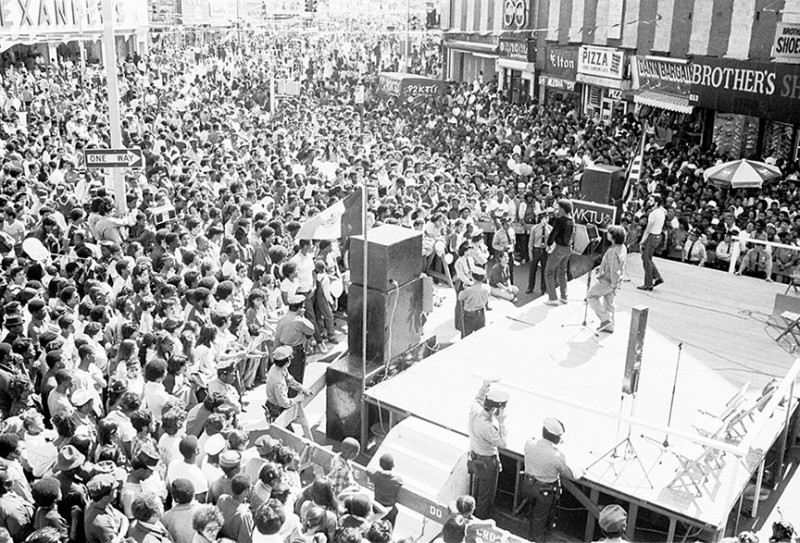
46, 28
721, 71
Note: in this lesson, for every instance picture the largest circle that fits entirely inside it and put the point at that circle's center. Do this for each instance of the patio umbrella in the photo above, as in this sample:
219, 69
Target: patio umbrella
741, 174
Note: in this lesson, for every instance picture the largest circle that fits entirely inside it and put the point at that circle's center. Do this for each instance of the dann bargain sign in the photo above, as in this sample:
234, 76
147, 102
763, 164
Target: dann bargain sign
33, 17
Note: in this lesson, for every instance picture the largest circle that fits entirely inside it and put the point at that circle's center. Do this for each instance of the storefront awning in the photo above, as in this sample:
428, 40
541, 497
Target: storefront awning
661, 100
472, 47
519, 65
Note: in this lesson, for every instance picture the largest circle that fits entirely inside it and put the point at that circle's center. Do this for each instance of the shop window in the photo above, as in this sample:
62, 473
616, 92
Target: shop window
778, 140
736, 135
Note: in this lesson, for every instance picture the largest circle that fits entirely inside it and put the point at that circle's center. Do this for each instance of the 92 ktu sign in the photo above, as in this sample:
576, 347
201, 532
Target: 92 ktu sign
601, 216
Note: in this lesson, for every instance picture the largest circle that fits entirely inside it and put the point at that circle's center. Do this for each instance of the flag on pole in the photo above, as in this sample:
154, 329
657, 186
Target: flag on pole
634, 171
341, 220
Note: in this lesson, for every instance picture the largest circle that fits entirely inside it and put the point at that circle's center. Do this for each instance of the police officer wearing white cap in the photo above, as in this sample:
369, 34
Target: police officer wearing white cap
545, 465
279, 382
487, 432
613, 521
294, 330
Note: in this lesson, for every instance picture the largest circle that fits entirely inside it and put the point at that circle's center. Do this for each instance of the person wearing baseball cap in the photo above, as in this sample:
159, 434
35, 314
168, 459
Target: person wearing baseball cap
487, 432
545, 465
279, 382
613, 521
102, 521
294, 330
230, 462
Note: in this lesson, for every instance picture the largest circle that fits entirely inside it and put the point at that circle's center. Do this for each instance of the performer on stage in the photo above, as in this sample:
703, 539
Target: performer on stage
475, 301
279, 381
560, 239
651, 239
537, 250
295, 330
545, 465
609, 277
613, 521
487, 432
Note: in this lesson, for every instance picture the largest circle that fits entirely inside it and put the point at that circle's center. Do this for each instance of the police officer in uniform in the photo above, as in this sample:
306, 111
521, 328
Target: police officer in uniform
279, 383
294, 330
487, 432
545, 465
613, 521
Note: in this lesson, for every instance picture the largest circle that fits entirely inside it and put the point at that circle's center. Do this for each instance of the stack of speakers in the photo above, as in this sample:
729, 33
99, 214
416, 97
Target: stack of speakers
395, 292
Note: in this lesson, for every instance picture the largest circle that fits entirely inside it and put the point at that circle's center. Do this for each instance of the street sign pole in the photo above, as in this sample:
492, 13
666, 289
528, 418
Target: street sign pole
117, 177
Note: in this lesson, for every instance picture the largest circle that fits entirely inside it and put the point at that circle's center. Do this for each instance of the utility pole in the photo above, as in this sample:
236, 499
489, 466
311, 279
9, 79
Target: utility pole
407, 67
109, 47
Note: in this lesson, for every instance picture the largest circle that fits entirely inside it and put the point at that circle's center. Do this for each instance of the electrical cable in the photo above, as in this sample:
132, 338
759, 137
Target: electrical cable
391, 324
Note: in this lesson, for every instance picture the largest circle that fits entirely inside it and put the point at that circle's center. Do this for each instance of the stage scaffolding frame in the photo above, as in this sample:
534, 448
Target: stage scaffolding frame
784, 391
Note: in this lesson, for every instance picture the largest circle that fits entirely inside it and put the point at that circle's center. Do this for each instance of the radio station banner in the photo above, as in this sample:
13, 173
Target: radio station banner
404, 86
40, 18
786, 47
602, 216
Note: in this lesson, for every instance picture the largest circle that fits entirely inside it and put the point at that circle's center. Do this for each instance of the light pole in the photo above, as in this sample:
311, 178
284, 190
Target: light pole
407, 67
117, 179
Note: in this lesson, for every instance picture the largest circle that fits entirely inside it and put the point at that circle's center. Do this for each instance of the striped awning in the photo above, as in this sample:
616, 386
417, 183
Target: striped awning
662, 100
472, 47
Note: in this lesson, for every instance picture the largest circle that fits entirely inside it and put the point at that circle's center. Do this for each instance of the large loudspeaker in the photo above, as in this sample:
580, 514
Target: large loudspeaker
394, 253
394, 320
602, 184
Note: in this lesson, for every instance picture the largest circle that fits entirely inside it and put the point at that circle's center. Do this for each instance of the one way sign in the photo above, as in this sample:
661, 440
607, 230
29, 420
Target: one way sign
114, 158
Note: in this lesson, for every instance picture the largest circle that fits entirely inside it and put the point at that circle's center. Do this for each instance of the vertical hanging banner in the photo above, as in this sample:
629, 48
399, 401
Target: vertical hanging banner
633, 357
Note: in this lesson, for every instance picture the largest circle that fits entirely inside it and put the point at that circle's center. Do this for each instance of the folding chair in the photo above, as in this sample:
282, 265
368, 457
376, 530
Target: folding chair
792, 326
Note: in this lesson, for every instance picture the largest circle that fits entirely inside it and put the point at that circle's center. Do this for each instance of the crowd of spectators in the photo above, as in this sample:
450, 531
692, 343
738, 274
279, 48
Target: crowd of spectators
130, 338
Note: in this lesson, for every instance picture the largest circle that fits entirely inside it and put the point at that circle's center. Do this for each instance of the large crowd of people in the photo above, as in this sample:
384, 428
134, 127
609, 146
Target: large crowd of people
129, 338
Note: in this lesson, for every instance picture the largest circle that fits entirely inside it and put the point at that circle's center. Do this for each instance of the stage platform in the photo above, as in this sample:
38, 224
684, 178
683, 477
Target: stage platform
553, 367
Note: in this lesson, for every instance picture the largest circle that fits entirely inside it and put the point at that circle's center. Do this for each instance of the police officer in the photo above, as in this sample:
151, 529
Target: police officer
545, 465
487, 432
613, 521
294, 330
279, 382
474, 303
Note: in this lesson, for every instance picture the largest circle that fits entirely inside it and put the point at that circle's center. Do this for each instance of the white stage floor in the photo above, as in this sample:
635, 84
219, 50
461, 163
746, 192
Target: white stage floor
552, 368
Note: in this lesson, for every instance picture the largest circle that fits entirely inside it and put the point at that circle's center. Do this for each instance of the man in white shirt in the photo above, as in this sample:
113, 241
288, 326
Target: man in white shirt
651, 239
155, 395
186, 467
306, 283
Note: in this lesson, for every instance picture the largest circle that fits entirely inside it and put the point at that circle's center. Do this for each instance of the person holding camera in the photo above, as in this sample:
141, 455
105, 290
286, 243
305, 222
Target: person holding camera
487, 433
545, 465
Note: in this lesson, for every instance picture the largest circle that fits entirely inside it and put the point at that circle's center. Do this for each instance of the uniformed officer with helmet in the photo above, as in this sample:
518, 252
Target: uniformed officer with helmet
545, 465
487, 432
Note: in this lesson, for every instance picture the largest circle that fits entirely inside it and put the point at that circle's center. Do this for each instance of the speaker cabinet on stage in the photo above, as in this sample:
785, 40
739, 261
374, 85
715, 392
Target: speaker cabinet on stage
394, 320
602, 184
394, 253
